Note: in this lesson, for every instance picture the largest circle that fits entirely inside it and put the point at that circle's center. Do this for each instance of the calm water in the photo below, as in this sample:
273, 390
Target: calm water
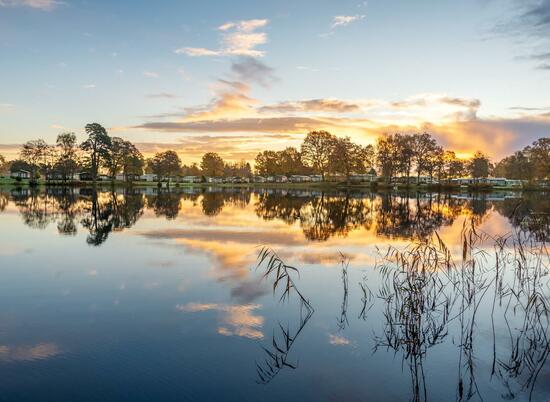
139, 296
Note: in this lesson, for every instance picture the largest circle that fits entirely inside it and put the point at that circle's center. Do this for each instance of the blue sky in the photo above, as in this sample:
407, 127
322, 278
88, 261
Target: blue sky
242, 76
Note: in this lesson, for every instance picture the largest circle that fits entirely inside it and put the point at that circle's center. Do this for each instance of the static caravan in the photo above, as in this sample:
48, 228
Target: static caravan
21, 174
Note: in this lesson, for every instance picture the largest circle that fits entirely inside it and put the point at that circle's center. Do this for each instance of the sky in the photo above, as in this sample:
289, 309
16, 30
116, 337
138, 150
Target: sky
239, 77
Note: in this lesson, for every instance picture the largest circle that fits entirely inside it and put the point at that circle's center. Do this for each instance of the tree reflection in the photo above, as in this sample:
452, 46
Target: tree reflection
213, 202
530, 214
165, 203
392, 215
3, 201
109, 211
36, 208
320, 216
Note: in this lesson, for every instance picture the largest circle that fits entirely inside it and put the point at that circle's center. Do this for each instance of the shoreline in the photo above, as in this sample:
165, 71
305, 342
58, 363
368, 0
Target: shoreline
7, 183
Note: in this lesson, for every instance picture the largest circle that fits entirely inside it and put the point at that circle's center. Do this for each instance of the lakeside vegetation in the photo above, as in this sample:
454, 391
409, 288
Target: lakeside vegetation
402, 160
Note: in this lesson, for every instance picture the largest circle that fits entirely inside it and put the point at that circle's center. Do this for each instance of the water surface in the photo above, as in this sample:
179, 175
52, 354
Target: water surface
140, 295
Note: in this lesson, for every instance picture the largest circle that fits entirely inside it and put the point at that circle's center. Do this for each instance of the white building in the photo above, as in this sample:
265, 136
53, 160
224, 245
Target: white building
259, 179
316, 178
296, 178
21, 174
191, 179
150, 177
215, 180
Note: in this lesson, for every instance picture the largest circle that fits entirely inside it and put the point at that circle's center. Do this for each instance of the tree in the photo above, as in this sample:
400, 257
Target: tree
192, 170
423, 148
479, 165
454, 167
212, 164
4, 165
290, 161
533, 162
123, 156
18, 165
387, 156
115, 156
241, 169
35, 154
540, 155
165, 164
317, 149
348, 157
518, 166
436, 163
66, 163
404, 144
133, 161
267, 163
97, 144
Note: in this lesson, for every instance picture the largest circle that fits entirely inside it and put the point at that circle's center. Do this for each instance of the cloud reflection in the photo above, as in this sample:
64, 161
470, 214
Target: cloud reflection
236, 320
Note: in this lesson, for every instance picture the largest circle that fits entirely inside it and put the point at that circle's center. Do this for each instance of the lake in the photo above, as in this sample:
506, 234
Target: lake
212, 294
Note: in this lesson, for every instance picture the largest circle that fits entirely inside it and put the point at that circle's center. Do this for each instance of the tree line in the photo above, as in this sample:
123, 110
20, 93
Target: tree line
100, 152
399, 155
532, 162
67, 157
321, 153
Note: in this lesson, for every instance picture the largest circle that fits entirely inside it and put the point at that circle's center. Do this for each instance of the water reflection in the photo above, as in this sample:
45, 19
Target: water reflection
319, 215
429, 298
170, 282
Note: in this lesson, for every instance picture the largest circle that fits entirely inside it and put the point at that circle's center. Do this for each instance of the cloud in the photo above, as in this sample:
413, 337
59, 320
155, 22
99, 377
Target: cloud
233, 110
162, 95
529, 108
89, 86
197, 51
312, 105
6, 106
461, 108
423, 100
498, 136
535, 16
151, 74
249, 69
231, 98
45, 5
540, 56
238, 39
529, 25
343, 20
251, 125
